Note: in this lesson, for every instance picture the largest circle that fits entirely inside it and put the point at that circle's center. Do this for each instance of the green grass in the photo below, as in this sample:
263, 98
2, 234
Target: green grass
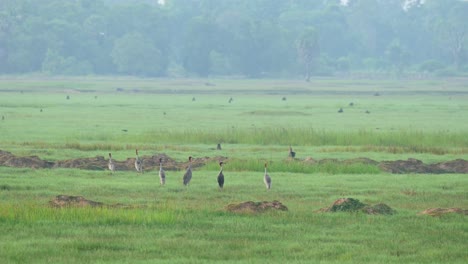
423, 119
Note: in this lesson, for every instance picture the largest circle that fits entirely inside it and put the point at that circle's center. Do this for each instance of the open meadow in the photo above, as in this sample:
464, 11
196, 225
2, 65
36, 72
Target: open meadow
58, 119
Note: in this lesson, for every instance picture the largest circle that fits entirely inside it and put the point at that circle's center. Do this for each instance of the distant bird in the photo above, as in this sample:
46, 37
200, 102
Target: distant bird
111, 164
218, 147
284, 98
95, 97
351, 104
193, 99
367, 112
377, 94
68, 97
3, 117
230, 100
292, 154
221, 176
164, 113
162, 174
188, 173
138, 163
340, 110
267, 178
41, 110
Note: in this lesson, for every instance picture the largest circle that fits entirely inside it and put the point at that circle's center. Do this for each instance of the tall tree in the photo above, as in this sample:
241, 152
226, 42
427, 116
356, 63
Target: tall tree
308, 50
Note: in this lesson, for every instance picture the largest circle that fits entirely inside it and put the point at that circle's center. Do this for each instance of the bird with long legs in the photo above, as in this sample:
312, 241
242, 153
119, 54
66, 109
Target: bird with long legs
188, 173
111, 164
138, 162
267, 178
292, 154
221, 176
162, 174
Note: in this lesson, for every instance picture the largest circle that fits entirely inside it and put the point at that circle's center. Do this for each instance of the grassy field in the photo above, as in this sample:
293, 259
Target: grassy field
425, 119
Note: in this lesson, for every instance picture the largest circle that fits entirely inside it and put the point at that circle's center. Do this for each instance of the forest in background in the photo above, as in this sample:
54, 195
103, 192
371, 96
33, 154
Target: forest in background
242, 38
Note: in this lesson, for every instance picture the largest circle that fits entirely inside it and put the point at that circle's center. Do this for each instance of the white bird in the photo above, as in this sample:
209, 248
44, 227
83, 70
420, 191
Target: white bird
267, 178
138, 163
188, 173
162, 174
221, 176
111, 164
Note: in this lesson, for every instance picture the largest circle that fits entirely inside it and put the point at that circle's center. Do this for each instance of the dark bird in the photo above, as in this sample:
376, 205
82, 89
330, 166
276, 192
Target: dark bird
138, 163
351, 104
218, 147
193, 99
41, 110
162, 174
68, 97
284, 98
3, 117
230, 100
292, 154
111, 164
340, 110
267, 178
367, 112
221, 176
188, 173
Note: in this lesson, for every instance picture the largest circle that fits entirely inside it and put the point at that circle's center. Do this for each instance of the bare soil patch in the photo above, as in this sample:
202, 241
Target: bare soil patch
354, 205
256, 207
443, 211
417, 166
61, 201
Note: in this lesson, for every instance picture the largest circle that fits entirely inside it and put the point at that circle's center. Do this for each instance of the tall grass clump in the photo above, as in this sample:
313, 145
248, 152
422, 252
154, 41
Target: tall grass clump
29, 213
311, 137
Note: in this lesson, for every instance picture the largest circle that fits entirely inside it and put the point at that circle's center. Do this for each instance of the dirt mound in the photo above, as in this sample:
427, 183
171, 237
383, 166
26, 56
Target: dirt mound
100, 163
417, 166
361, 160
453, 166
96, 163
354, 205
152, 163
256, 207
61, 201
442, 211
10, 160
380, 208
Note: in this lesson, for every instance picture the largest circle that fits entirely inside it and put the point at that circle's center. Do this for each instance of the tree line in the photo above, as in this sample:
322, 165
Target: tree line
246, 38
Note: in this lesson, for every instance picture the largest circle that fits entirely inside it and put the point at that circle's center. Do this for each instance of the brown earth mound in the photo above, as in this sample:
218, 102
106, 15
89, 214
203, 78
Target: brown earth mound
61, 201
417, 166
100, 163
152, 163
442, 211
10, 160
256, 207
354, 205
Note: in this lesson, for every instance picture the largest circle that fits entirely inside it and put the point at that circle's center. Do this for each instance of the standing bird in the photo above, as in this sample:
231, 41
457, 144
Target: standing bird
111, 164
138, 162
162, 174
188, 173
292, 154
267, 178
221, 176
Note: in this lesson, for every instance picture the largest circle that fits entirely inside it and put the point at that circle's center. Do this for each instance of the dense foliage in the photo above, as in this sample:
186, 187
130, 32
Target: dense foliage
253, 38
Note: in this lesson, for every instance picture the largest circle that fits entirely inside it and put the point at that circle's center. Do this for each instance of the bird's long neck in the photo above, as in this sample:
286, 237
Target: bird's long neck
221, 170
160, 165
265, 170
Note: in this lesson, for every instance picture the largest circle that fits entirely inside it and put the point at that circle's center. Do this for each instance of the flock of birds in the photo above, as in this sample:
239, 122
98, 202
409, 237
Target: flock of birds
188, 173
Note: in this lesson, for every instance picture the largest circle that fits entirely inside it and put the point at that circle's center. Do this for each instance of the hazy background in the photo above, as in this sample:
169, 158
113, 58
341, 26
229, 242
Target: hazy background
241, 38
